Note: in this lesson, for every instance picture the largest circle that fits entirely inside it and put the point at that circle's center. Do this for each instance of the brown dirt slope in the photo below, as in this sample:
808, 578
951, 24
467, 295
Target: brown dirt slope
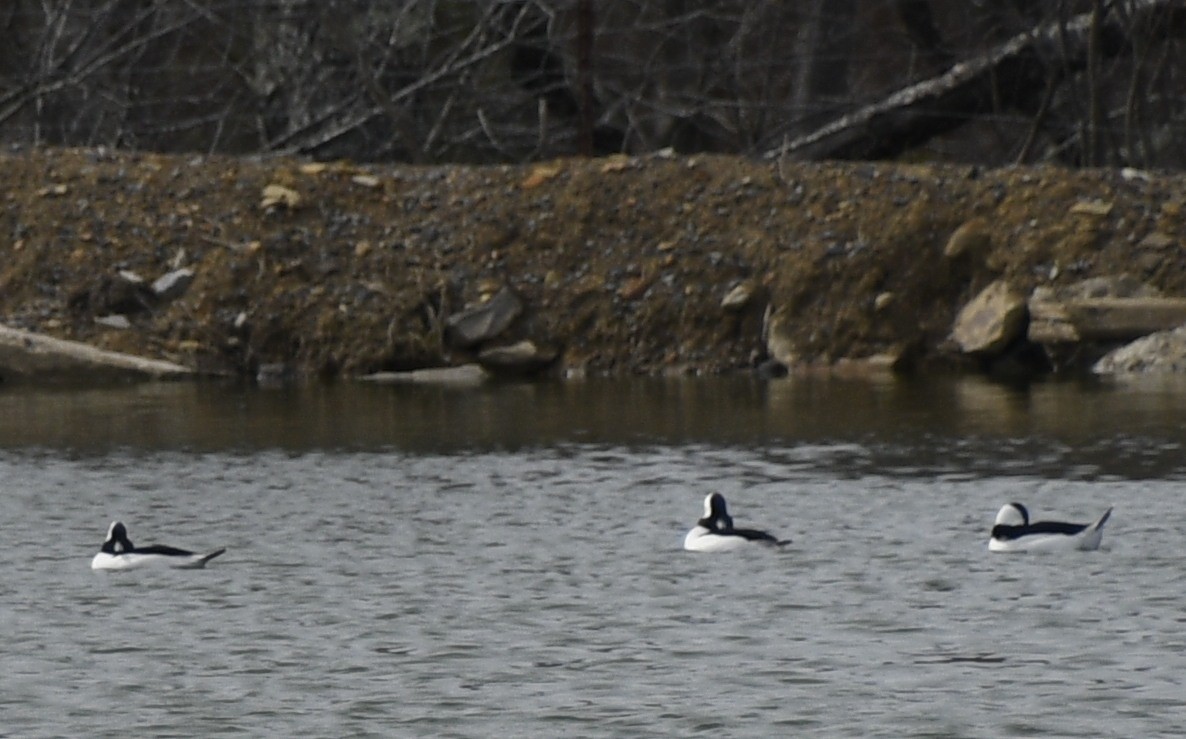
621, 262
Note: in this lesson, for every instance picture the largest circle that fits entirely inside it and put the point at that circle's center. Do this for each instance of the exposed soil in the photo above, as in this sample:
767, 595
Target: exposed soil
622, 263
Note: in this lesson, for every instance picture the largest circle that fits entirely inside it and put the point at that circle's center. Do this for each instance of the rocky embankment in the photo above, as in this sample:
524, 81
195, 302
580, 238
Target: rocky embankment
626, 265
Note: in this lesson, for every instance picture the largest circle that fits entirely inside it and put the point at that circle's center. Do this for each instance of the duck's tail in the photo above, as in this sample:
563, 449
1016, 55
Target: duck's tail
1099, 523
202, 562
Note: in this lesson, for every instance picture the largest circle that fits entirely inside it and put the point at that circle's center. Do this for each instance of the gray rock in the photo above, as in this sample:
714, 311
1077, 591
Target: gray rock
116, 320
991, 321
173, 285
1161, 353
484, 322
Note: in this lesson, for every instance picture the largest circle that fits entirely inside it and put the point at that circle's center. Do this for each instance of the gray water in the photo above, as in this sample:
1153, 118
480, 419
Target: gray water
506, 561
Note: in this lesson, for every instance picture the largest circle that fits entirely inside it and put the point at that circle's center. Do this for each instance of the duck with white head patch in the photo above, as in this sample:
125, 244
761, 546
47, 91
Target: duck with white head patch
1013, 532
715, 533
118, 553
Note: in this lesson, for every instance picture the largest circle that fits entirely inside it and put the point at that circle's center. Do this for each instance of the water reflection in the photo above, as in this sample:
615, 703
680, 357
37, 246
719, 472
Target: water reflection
885, 413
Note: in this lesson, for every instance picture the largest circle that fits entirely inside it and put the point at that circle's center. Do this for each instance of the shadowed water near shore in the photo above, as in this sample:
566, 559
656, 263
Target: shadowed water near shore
425, 417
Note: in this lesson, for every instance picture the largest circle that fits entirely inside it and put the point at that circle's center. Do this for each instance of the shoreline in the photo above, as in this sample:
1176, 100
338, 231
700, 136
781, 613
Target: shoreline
646, 265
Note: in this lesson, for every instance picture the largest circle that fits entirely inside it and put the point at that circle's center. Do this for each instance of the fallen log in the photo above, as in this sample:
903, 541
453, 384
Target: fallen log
29, 356
1102, 319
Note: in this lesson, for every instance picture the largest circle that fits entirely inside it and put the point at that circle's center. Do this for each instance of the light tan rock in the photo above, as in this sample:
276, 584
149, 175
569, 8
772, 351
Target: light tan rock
991, 321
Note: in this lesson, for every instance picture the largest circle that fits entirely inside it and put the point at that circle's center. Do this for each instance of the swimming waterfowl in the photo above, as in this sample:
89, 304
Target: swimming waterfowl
118, 553
1013, 532
715, 533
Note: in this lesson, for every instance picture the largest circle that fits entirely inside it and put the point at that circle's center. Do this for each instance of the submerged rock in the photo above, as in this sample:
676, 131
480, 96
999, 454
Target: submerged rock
463, 375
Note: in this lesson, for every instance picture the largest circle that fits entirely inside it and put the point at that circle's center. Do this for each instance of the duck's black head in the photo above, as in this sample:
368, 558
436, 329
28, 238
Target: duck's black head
716, 513
117, 539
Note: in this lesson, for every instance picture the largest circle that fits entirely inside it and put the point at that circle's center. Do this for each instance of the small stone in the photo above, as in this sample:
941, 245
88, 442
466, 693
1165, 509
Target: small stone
615, 163
973, 239
275, 196
1098, 208
738, 297
635, 288
366, 180
539, 175
1158, 241
172, 285
116, 320
883, 301
1130, 174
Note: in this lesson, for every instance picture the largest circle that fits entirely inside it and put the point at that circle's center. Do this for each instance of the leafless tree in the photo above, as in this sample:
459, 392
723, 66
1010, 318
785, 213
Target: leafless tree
1093, 82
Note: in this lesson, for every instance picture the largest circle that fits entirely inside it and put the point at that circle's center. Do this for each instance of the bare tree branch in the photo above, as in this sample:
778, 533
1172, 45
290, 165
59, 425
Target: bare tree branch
919, 112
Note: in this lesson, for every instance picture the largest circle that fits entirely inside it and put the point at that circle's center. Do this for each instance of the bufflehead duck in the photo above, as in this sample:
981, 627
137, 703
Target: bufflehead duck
1013, 532
118, 553
715, 532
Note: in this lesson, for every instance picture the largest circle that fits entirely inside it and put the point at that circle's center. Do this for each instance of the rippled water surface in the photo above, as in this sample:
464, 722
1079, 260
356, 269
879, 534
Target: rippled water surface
507, 561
